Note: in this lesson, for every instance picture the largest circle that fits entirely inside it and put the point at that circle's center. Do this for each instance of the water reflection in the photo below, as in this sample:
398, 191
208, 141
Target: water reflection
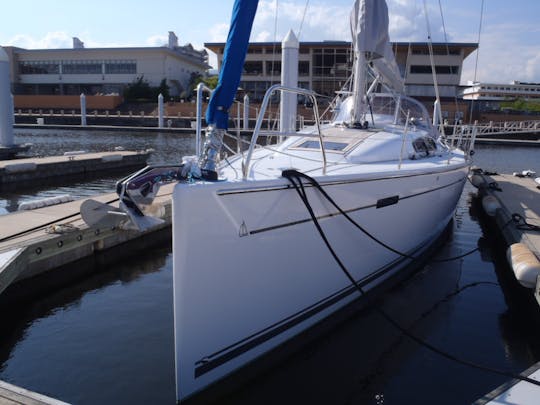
106, 338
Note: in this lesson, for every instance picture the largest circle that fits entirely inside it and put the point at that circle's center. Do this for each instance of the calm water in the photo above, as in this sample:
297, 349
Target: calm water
108, 339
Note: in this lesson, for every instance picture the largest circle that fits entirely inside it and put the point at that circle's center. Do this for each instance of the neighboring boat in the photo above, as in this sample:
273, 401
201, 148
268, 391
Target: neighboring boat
269, 242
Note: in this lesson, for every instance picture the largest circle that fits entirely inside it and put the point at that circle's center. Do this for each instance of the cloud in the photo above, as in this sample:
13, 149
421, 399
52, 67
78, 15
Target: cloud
218, 32
157, 40
51, 40
503, 58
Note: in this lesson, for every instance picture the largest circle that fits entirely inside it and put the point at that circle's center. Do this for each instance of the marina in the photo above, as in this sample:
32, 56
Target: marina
26, 172
367, 252
512, 201
448, 301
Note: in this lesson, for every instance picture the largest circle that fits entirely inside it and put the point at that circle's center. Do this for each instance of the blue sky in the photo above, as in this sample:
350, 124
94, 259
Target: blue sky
509, 41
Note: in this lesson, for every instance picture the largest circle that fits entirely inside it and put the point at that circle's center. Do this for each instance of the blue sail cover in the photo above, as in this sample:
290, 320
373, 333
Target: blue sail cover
234, 55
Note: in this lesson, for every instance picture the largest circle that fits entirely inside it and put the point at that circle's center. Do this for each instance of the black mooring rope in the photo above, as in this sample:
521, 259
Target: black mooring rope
294, 176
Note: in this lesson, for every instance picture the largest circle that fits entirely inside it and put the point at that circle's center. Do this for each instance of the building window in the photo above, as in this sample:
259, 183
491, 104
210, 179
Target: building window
331, 62
441, 70
120, 67
273, 68
39, 67
253, 68
81, 67
303, 68
436, 51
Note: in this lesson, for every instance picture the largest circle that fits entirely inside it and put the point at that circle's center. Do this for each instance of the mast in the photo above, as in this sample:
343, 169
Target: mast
371, 44
359, 87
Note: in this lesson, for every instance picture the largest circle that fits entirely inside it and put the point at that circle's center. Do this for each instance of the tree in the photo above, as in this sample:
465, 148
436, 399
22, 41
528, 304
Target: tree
194, 80
163, 89
140, 90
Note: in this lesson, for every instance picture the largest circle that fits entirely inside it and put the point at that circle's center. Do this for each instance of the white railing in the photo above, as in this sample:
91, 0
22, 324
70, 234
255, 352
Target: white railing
498, 128
260, 118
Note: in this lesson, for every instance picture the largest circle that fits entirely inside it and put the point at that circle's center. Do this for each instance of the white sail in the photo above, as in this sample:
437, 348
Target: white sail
369, 30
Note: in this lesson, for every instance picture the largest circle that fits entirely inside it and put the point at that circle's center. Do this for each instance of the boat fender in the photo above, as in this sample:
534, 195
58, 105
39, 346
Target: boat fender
477, 181
75, 152
524, 263
491, 205
45, 202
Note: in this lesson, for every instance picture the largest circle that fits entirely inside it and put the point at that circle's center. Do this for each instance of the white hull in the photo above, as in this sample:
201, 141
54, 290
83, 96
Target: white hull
252, 271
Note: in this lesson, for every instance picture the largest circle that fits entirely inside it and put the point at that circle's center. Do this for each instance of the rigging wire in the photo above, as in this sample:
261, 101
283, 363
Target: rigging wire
432, 60
477, 55
303, 18
295, 178
274, 43
456, 104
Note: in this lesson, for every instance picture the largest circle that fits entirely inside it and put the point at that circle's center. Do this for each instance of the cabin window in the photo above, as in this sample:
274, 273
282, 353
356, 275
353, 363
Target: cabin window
424, 145
328, 145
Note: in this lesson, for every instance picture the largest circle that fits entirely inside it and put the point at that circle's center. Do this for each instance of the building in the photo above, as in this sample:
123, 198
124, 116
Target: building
103, 70
500, 92
325, 66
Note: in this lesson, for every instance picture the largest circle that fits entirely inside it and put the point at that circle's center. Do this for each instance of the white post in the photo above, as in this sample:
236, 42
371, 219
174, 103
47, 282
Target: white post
246, 112
83, 110
289, 78
160, 110
6, 103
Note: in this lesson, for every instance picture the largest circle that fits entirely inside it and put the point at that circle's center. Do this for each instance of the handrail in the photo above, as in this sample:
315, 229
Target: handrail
264, 106
200, 88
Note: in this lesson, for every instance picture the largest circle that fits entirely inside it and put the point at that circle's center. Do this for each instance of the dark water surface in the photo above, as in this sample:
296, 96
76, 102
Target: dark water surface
108, 339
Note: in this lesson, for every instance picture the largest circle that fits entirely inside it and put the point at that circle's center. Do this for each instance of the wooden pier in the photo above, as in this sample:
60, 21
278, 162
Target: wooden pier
32, 171
515, 391
13, 395
36, 241
514, 204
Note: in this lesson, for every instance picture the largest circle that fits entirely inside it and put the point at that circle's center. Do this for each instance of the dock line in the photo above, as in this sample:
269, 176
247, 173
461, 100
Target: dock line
296, 180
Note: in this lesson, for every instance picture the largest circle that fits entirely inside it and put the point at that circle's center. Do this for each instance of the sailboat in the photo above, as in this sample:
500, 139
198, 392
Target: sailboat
271, 241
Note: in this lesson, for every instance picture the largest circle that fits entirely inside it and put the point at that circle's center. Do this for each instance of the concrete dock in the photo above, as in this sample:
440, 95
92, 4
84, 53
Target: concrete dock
13, 395
515, 391
37, 241
514, 204
32, 171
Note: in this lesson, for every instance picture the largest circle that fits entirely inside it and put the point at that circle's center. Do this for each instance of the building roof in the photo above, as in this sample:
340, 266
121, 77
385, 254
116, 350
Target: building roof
191, 55
469, 47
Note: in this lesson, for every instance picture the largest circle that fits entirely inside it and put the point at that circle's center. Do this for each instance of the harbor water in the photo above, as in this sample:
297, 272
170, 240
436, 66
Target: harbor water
108, 338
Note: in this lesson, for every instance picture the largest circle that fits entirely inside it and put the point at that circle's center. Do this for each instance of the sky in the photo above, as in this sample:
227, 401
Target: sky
509, 33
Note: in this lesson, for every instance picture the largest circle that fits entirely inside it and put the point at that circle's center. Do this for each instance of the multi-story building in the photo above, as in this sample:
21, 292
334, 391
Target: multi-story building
103, 70
325, 66
500, 92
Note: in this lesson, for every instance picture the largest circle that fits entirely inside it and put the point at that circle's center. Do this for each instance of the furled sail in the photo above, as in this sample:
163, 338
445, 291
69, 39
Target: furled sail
369, 30
234, 55
233, 62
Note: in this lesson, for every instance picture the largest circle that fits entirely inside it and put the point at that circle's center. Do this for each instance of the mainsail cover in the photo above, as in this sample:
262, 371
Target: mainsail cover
369, 30
234, 55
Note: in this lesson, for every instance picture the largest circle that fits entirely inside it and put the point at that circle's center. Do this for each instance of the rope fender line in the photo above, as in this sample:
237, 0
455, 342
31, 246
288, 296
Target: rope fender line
295, 178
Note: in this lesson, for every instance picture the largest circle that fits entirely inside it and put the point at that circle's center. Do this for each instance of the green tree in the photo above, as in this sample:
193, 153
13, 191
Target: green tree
140, 90
163, 89
194, 80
